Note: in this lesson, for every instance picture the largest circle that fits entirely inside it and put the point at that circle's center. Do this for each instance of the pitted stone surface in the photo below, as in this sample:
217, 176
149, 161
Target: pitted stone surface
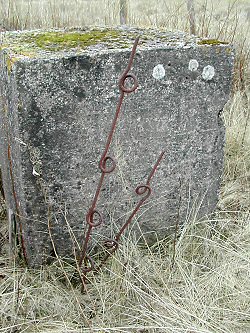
57, 104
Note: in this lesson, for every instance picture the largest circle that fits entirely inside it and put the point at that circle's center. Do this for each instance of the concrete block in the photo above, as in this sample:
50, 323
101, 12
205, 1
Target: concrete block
59, 91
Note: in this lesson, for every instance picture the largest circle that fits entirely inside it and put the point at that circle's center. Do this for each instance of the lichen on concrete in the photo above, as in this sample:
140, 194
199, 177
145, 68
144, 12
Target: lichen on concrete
60, 40
211, 42
40, 43
193, 65
208, 73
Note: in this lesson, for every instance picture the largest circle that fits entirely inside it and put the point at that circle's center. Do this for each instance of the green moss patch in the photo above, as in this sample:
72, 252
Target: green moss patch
58, 40
31, 44
40, 43
211, 42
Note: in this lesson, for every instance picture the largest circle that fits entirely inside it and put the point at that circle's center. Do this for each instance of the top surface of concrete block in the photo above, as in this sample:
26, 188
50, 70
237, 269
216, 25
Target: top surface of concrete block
62, 43
59, 91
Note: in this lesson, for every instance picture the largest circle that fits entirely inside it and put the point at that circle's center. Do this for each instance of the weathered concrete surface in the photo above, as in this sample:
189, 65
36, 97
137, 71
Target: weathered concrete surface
57, 105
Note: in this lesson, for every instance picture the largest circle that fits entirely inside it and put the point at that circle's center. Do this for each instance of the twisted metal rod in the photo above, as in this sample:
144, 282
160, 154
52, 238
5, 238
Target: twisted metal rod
105, 159
94, 217
112, 244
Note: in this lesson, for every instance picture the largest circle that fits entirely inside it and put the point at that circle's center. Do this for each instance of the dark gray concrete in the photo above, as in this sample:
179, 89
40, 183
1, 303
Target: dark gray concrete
56, 111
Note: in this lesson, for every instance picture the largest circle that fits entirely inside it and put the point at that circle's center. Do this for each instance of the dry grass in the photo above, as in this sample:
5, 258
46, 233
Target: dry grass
207, 289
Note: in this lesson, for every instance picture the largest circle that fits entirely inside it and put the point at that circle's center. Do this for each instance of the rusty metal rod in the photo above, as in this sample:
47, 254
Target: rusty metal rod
20, 236
112, 244
105, 159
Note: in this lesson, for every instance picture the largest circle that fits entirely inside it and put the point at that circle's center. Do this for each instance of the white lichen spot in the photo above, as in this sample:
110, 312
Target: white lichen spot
159, 72
193, 65
208, 73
